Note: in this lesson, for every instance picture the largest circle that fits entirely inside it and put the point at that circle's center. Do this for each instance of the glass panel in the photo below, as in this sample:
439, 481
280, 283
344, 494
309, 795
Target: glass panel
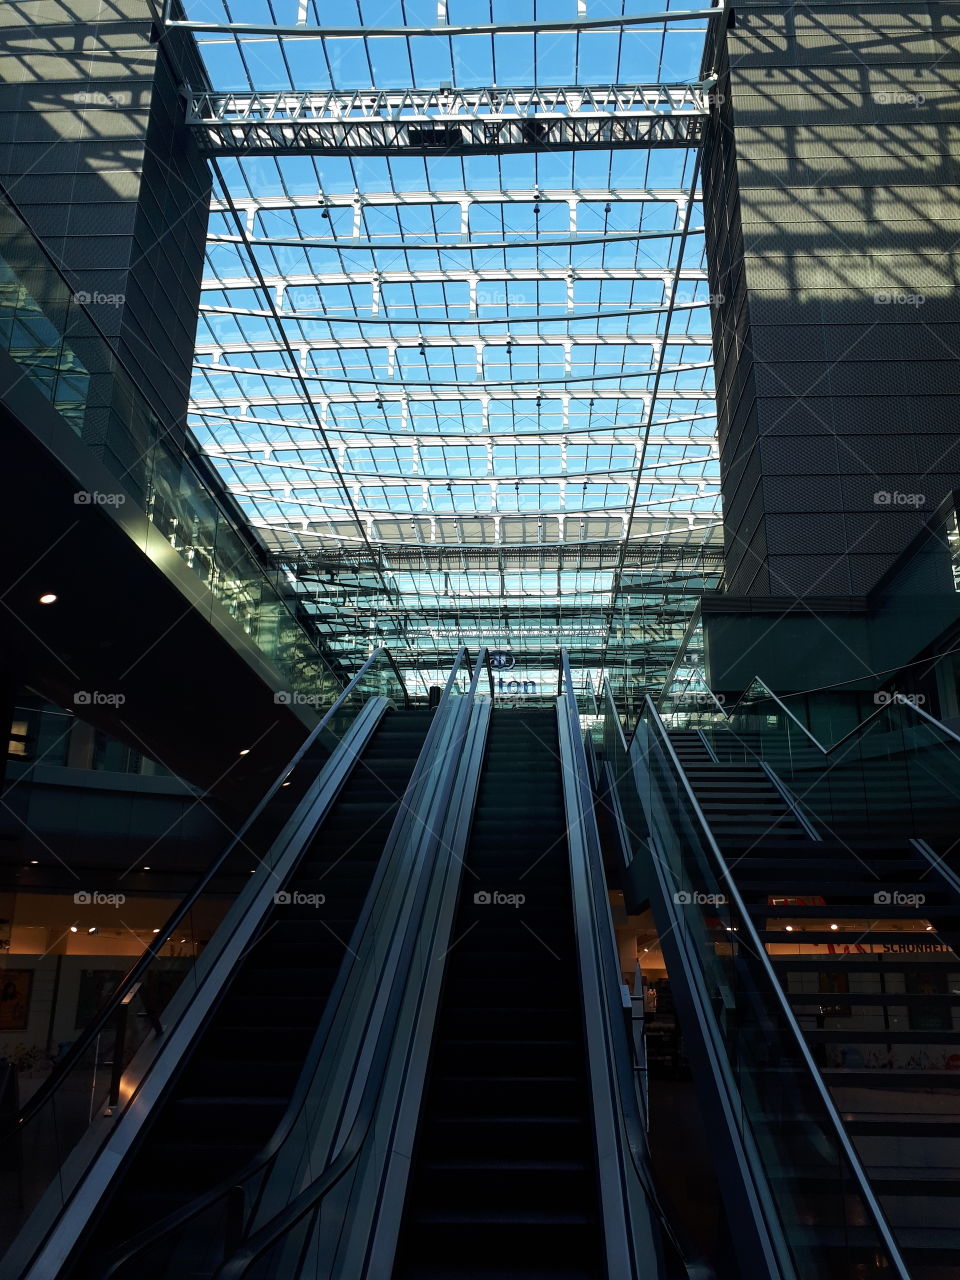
779, 1110
275, 1179
91, 1084
44, 327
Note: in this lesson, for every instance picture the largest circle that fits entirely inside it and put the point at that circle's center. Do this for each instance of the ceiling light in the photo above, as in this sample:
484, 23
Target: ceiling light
34, 862
834, 927
92, 929
73, 928
156, 931
789, 928
48, 597
245, 751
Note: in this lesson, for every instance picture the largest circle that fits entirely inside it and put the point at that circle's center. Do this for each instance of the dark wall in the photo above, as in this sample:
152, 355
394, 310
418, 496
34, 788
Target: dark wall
93, 151
832, 194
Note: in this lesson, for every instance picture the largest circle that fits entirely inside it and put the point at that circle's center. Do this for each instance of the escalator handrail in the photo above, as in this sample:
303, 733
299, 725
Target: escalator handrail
134, 974
757, 948
309, 1199
272, 1147
636, 1142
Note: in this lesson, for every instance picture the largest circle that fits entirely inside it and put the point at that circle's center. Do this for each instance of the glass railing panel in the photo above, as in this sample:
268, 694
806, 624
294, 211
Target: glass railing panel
898, 775
780, 1108
315, 1137
689, 703
46, 330
84, 1086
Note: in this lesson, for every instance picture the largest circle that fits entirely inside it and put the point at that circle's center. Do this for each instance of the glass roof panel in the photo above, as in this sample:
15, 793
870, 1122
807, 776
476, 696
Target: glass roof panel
464, 397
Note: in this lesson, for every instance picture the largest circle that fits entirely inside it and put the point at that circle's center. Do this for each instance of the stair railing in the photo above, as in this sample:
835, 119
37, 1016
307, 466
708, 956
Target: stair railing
248, 1205
635, 1224
268, 838
745, 1013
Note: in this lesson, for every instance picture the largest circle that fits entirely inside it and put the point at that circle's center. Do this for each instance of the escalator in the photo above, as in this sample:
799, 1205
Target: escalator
237, 1080
504, 1180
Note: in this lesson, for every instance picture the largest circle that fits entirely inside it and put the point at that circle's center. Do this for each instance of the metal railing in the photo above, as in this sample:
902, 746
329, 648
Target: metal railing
784, 1113
232, 1209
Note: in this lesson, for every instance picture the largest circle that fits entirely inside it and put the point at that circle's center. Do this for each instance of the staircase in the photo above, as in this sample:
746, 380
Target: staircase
504, 1180
864, 939
239, 1078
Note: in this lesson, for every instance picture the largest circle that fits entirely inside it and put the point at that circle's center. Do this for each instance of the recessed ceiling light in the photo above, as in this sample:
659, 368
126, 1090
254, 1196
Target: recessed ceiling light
48, 597
245, 751
73, 928
156, 931
34, 862
146, 868
92, 929
789, 928
834, 927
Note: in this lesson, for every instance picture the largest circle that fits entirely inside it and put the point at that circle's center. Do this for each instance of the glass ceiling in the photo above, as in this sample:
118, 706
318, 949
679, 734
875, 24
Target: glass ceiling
464, 398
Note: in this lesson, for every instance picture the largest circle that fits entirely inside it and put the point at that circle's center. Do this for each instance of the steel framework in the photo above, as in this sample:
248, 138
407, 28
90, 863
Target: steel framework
450, 121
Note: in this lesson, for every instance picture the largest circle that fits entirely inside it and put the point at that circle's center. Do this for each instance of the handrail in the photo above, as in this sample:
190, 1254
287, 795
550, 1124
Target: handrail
746, 925
633, 1129
278, 1226
785, 709
151, 953
271, 1149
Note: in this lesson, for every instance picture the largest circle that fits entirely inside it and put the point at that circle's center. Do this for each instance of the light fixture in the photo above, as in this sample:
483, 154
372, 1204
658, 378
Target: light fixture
929, 928
73, 928
789, 928
48, 597
834, 927
34, 862
146, 868
245, 751
92, 929
156, 931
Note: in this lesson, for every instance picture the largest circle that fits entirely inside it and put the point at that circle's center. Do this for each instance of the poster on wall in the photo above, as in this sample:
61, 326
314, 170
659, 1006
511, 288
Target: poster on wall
15, 988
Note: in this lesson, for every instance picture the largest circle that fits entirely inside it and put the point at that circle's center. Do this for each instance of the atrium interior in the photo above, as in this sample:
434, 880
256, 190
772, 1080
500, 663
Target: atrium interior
480, 640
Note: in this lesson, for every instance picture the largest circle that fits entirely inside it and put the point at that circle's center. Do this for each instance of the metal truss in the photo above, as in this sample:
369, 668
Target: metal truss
424, 122
666, 555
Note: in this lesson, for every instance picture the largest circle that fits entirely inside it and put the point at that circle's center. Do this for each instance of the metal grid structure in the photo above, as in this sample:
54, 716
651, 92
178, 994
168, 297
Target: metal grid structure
462, 383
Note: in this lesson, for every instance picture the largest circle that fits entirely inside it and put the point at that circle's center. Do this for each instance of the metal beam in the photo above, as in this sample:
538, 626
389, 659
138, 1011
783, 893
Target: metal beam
301, 30
461, 275
425, 122
321, 199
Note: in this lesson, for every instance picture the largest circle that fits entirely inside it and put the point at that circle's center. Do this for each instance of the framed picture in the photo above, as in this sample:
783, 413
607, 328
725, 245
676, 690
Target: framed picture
15, 988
